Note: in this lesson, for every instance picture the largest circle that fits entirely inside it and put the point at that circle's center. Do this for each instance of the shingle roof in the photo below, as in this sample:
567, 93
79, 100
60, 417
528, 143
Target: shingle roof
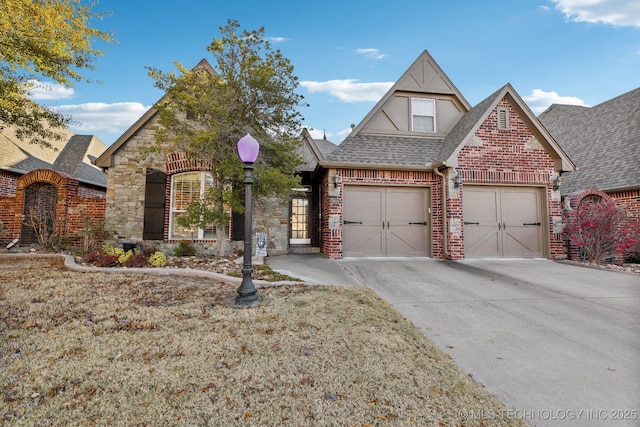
72, 155
325, 147
386, 150
603, 141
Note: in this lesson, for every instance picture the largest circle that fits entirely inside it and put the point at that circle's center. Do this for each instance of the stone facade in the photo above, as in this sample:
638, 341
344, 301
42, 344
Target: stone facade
126, 181
271, 216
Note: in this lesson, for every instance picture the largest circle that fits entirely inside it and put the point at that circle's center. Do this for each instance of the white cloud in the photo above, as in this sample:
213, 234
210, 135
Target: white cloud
540, 100
371, 52
39, 91
349, 90
97, 117
316, 133
344, 133
278, 39
612, 12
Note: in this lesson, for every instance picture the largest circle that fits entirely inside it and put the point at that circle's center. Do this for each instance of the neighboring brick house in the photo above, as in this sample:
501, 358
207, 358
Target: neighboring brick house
424, 174
604, 142
58, 186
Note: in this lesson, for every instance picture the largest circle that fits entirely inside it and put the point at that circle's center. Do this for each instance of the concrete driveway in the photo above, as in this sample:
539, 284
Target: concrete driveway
558, 344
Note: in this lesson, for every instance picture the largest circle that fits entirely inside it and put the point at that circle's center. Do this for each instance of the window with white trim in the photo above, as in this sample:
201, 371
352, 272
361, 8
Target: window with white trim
186, 188
423, 115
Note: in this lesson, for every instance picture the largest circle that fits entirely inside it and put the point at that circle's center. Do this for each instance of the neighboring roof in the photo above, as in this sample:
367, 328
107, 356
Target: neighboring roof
603, 141
72, 155
106, 158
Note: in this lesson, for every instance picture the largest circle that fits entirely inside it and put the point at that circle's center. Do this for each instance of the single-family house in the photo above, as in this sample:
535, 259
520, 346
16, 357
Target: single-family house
424, 174
56, 188
604, 142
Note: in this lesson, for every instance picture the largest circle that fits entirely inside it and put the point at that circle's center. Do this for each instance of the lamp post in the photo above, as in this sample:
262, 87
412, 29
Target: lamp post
248, 149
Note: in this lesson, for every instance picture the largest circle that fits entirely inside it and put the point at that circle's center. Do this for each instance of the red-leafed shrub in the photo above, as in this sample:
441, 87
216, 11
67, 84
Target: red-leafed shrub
601, 230
106, 261
136, 260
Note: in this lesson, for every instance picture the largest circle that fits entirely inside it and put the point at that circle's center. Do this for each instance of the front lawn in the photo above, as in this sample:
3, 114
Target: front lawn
114, 349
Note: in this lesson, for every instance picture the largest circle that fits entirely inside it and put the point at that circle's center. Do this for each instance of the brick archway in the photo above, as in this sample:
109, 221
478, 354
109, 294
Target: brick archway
65, 187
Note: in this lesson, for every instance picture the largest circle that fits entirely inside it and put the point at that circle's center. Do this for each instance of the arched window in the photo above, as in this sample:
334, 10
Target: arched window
187, 188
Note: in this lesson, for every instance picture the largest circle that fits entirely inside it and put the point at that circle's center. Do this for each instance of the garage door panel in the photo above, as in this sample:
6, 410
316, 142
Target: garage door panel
406, 240
520, 207
363, 240
484, 242
522, 242
364, 205
407, 226
482, 206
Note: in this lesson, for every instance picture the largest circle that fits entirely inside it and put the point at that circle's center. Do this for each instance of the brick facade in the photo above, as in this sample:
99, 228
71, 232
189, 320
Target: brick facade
511, 157
72, 206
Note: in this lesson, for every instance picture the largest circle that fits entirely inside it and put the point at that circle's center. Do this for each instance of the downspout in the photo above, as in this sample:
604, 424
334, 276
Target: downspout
444, 212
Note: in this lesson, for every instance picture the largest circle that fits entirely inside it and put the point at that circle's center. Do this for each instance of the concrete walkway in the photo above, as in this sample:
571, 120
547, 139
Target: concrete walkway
558, 344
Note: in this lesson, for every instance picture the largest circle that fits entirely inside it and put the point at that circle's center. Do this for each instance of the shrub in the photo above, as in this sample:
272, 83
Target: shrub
185, 248
600, 230
106, 261
122, 259
158, 259
112, 250
136, 260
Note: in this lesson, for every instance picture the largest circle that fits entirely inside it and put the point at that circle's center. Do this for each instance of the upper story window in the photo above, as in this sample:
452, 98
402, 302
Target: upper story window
187, 188
423, 115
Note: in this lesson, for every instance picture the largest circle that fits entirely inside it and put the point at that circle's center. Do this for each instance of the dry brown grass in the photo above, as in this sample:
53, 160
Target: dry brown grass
103, 349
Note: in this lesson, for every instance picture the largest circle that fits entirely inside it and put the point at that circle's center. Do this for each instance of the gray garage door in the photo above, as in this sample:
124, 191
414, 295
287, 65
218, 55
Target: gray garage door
503, 222
386, 221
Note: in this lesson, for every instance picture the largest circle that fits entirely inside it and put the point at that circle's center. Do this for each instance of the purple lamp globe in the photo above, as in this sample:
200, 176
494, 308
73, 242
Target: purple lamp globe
248, 149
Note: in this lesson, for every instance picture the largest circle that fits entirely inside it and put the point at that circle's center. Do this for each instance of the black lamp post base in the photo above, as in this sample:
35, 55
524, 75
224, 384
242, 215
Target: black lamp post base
246, 300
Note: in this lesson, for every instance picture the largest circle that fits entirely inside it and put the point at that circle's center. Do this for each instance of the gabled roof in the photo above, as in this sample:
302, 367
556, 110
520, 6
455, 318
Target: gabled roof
466, 127
368, 150
604, 141
71, 155
314, 151
423, 76
106, 159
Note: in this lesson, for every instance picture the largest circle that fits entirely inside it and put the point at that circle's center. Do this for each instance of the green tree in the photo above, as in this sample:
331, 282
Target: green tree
206, 112
43, 39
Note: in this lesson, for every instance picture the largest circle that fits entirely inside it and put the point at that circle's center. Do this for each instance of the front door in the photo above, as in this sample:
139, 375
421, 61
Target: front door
503, 222
385, 221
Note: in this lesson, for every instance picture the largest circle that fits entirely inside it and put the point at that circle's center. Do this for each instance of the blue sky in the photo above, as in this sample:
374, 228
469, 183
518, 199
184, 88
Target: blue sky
348, 53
